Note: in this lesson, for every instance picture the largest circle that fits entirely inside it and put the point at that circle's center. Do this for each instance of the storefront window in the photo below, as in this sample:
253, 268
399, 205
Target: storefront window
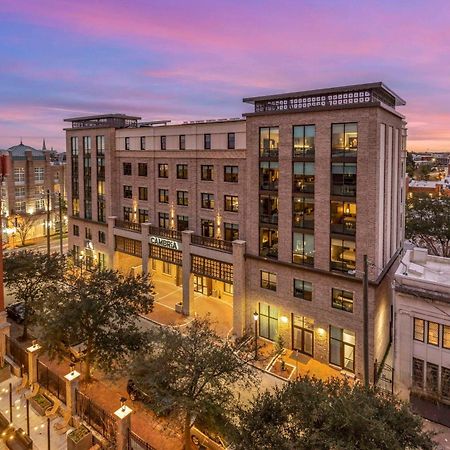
343, 255
268, 321
303, 249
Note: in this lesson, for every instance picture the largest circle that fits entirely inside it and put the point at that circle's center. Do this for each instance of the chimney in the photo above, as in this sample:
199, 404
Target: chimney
419, 255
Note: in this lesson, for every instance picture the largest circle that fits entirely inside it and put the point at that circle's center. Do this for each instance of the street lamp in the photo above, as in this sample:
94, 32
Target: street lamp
255, 318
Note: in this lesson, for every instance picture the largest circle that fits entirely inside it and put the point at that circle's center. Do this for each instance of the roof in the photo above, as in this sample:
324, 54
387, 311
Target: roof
103, 116
18, 152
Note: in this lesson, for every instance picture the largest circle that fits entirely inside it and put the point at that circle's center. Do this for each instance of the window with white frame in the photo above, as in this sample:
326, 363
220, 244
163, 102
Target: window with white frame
19, 175
38, 174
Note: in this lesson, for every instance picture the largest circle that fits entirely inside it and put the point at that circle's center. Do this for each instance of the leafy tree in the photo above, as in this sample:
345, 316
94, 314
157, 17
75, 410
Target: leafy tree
428, 223
410, 165
27, 274
195, 369
312, 414
100, 309
424, 171
25, 224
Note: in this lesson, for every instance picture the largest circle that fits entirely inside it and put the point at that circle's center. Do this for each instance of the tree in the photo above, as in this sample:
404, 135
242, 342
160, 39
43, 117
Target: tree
100, 309
25, 224
27, 274
424, 171
196, 369
410, 165
428, 223
312, 414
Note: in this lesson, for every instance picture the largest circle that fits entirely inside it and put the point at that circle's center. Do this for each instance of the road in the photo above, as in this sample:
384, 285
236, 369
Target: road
42, 246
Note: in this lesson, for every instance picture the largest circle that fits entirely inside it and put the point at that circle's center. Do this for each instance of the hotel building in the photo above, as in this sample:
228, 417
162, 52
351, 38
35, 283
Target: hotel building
273, 212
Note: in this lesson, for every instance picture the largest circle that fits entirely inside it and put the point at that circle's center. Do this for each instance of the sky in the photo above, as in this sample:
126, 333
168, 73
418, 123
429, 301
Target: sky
197, 59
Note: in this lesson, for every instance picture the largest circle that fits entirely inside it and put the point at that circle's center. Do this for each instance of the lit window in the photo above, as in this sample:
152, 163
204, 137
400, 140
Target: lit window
419, 330
268, 280
433, 333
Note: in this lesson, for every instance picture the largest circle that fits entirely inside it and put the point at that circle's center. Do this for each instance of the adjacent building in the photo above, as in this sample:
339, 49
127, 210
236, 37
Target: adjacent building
272, 213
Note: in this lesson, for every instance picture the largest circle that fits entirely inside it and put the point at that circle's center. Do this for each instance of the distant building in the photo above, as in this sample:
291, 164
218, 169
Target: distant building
432, 188
422, 333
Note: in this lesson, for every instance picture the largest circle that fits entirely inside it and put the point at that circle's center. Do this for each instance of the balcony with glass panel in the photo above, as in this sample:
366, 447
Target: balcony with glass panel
342, 255
303, 177
303, 212
304, 141
269, 138
343, 179
343, 218
344, 142
303, 249
268, 176
268, 209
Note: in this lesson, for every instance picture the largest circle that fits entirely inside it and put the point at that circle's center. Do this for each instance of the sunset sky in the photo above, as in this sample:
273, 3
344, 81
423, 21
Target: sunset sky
189, 59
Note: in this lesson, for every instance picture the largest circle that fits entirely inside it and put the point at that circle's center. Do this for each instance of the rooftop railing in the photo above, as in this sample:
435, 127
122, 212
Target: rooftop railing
216, 244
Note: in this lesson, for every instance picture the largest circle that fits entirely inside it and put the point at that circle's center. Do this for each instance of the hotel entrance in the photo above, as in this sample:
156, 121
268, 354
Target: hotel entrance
202, 285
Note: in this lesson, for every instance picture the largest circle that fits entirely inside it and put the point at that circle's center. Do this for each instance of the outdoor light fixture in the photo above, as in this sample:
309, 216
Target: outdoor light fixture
122, 403
284, 319
255, 316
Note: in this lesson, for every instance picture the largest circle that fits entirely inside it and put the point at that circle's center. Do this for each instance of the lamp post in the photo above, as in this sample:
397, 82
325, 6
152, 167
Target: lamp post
255, 318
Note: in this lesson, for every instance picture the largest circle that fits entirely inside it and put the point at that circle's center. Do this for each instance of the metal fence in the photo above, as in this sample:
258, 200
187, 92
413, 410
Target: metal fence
96, 417
51, 381
18, 354
137, 443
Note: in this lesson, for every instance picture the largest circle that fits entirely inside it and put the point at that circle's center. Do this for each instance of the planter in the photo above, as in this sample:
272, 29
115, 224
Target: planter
40, 403
5, 373
179, 307
283, 370
79, 439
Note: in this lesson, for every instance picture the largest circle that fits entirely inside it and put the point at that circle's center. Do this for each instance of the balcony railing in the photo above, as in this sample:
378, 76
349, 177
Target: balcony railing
343, 190
268, 153
299, 186
216, 244
131, 226
268, 218
165, 233
300, 152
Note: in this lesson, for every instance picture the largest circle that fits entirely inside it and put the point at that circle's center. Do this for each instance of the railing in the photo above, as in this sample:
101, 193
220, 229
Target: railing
165, 233
268, 153
50, 381
137, 443
268, 218
303, 186
17, 353
216, 244
344, 190
303, 152
132, 226
263, 186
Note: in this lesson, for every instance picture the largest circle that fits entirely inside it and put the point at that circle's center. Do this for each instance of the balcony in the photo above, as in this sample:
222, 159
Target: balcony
303, 186
165, 233
345, 190
303, 152
216, 244
131, 226
268, 152
269, 218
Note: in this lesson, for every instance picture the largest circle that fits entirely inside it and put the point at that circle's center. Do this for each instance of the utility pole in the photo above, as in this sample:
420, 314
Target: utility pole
48, 223
366, 320
60, 224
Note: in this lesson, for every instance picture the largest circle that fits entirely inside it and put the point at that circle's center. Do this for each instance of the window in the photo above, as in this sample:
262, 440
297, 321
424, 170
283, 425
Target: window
231, 141
182, 198
268, 321
268, 242
88, 233
74, 145
163, 195
343, 255
268, 175
163, 142
142, 142
127, 143
101, 261
101, 188
102, 237
207, 141
19, 191
87, 144
101, 211
445, 382
304, 141
182, 223
207, 228
231, 174
433, 333
39, 204
228, 288
127, 192
38, 174
268, 280
207, 201
268, 141
418, 373
76, 230
127, 169
207, 173
342, 300
303, 289
182, 142
343, 218
303, 249
303, 212
344, 141
182, 171
419, 330
432, 378
166, 268
142, 169
100, 144
342, 348
127, 214
303, 177
20, 206
19, 175
163, 170
343, 179
76, 207
163, 219
446, 336
231, 231
142, 215
231, 203
143, 193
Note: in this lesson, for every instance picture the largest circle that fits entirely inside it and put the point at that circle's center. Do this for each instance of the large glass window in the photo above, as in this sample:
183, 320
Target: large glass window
419, 329
268, 321
433, 333
231, 231
231, 203
303, 177
304, 138
303, 212
342, 255
19, 175
432, 378
231, 174
100, 144
342, 300
303, 249
343, 217
303, 334
268, 175
163, 219
418, 373
268, 208
268, 141
342, 348
207, 228
344, 140
268, 242
303, 289
343, 179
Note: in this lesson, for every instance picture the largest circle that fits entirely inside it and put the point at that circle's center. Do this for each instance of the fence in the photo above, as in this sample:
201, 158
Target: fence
18, 354
96, 417
137, 443
50, 381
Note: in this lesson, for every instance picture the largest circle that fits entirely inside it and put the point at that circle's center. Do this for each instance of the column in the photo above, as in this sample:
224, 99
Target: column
4, 331
145, 247
111, 242
123, 419
239, 291
33, 353
72, 379
188, 280
403, 352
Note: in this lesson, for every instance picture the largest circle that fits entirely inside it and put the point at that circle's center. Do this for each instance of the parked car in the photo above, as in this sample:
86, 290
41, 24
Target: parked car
16, 312
205, 439
161, 405
75, 351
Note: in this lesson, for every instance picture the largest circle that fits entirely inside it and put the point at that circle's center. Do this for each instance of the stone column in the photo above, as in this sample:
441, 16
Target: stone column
111, 242
72, 379
123, 419
188, 291
145, 248
239, 291
403, 342
33, 353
